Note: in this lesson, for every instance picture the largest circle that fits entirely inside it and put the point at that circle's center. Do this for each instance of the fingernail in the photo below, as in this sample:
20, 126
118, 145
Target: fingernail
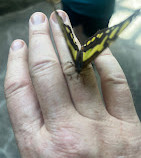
37, 18
17, 44
62, 14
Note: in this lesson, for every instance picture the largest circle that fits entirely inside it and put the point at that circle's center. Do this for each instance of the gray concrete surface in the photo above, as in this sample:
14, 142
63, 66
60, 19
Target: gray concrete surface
127, 50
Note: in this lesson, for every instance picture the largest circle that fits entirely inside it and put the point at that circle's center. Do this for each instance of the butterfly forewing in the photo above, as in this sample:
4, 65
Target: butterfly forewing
69, 37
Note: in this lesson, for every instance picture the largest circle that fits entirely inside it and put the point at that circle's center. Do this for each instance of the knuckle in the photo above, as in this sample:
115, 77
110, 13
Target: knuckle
71, 73
38, 33
44, 67
13, 85
68, 68
115, 78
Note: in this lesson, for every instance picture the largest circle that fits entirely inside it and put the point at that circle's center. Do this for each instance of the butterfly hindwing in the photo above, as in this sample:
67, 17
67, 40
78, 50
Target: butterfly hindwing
102, 39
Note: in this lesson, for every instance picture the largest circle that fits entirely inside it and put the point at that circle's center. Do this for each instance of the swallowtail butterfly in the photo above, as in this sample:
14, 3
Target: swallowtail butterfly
95, 44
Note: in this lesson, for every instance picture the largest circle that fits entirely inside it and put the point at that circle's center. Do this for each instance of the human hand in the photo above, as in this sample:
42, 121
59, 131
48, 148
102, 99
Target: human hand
57, 113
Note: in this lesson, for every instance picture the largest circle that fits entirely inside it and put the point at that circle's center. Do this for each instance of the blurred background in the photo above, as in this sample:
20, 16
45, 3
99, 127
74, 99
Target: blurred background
14, 16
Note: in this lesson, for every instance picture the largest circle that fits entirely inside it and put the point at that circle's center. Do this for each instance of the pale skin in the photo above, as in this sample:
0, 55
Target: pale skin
56, 113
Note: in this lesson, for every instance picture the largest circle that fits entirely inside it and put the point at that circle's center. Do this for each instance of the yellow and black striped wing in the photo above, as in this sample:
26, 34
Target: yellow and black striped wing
69, 37
102, 39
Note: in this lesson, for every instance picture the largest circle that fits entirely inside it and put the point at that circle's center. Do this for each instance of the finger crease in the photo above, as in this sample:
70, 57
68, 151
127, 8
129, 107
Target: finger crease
16, 88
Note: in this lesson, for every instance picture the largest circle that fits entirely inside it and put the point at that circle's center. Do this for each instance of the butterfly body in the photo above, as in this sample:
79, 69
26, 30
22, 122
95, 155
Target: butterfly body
79, 62
95, 44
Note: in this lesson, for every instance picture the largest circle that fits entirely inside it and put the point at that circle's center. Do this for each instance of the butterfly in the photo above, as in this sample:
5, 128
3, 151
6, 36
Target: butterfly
95, 44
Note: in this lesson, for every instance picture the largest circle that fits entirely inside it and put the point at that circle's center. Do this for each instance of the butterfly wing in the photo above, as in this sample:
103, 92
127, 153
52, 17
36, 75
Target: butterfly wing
69, 37
102, 39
